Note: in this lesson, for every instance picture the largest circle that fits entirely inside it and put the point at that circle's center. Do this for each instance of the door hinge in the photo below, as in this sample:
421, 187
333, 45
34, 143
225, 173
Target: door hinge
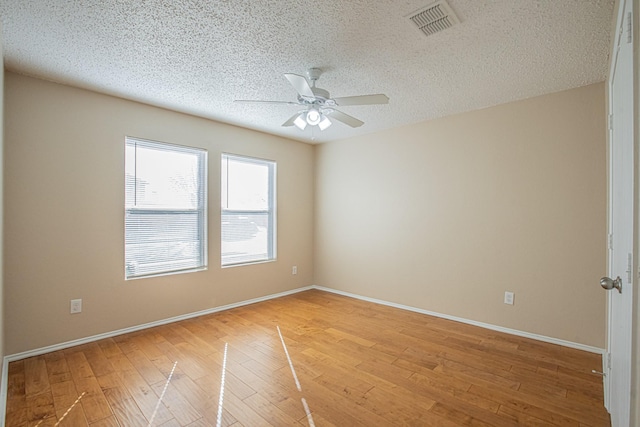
610, 122
629, 267
629, 28
610, 241
608, 360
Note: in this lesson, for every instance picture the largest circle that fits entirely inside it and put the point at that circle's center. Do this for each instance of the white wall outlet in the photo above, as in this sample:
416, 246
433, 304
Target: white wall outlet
76, 306
294, 270
508, 297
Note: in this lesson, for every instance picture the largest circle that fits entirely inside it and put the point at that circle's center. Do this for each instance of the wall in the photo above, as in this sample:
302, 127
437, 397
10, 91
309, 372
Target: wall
64, 215
448, 214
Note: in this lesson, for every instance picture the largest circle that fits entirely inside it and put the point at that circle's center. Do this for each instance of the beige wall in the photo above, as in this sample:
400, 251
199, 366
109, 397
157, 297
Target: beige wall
64, 215
448, 214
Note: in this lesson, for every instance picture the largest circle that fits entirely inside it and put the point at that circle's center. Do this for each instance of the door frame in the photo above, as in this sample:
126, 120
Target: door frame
619, 14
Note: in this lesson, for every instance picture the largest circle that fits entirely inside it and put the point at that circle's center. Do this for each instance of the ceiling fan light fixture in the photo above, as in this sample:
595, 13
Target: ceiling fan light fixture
300, 121
316, 105
324, 123
313, 117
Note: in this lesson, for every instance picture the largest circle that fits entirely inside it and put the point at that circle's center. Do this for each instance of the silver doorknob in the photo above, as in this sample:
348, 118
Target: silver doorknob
609, 284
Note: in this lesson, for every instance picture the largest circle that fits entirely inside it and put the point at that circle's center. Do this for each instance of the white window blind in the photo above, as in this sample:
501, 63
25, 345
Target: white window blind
248, 210
165, 208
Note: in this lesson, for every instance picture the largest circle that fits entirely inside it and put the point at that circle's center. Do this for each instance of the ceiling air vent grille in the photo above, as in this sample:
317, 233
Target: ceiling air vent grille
434, 18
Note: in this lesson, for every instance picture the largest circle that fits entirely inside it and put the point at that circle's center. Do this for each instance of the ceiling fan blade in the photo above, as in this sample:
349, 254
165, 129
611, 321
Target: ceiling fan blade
291, 120
346, 119
362, 100
300, 84
251, 101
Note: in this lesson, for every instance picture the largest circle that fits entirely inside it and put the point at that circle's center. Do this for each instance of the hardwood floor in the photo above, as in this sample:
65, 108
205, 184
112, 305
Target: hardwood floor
347, 363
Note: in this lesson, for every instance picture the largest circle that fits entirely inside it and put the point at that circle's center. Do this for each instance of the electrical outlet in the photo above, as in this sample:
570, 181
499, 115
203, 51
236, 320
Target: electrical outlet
294, 270
508, 298
76, 306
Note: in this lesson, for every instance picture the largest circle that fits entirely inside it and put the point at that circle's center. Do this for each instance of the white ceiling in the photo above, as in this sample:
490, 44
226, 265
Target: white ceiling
197, 56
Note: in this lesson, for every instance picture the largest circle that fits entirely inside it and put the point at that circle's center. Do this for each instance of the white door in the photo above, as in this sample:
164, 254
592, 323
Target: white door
621, 181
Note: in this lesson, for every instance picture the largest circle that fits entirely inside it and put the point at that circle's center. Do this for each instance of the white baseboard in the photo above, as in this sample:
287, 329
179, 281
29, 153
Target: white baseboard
39, 351
510, 331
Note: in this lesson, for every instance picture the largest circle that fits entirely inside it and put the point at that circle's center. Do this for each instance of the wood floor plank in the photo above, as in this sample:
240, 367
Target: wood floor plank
147, 345
193, 366
241, 412
111, 421
201, 346
546, 409
356, 363
278, 392
232, 384
340, 408
36, 379
199, 423
183, 412
523, 419
268, 411
141, 392
475, 375
94, 403
112, 388
57, 367
65, 399
394, 407
16, 395
362, 352
128, 413
145, 367
40, 407
458, 417
99, 363
109, 347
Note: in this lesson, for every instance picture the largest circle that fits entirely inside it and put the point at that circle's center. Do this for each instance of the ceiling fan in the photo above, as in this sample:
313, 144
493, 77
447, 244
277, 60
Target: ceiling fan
318, 106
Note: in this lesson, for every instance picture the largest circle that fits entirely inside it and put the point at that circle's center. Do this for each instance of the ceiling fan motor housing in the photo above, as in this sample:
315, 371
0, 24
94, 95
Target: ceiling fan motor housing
314, 74
321, 97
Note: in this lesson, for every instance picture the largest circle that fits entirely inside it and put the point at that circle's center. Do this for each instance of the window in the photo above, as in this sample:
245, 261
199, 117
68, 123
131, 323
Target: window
165, 208
248, 210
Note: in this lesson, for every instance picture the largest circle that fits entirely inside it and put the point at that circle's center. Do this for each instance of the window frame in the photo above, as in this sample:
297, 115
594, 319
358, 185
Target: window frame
271, 211
201, 211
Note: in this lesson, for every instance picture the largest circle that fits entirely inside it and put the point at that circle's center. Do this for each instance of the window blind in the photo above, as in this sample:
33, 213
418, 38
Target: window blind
165, 208
248, 210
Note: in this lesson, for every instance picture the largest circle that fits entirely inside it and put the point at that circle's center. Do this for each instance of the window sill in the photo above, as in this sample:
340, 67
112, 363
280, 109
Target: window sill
242, 264
169, 273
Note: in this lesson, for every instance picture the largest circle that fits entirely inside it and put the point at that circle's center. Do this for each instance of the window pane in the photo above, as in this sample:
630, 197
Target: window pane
247, 185
248, 210
162, 241
164, 178
165, 201
245, 237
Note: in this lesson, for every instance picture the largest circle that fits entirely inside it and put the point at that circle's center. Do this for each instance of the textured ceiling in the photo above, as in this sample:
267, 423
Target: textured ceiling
197, 56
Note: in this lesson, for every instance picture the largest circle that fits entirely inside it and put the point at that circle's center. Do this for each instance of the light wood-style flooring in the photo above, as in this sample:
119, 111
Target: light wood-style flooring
356, 364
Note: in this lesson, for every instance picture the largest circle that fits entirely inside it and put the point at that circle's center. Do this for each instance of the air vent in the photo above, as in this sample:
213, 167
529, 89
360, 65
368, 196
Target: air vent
434, 18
